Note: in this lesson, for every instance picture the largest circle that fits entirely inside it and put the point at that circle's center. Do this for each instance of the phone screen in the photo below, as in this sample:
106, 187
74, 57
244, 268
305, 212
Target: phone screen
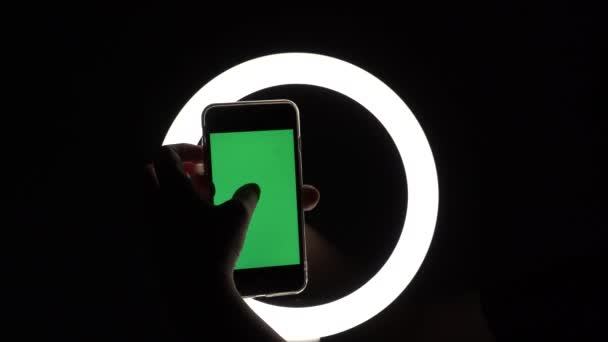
266, 158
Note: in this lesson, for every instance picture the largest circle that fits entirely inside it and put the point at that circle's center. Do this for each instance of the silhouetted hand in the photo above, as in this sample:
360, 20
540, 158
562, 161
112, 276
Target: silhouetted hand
196, 246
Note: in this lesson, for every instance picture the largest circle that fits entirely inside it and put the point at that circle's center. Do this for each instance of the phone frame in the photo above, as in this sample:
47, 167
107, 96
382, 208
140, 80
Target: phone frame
252, 116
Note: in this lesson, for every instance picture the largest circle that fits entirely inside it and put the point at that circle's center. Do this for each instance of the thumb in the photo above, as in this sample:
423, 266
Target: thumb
248, 195
235, 215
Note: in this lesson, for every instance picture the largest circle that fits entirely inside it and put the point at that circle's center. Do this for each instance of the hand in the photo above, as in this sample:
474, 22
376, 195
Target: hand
199, 243
178, 176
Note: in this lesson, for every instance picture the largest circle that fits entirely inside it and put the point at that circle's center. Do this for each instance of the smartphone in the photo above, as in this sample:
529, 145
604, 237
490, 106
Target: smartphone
259, 142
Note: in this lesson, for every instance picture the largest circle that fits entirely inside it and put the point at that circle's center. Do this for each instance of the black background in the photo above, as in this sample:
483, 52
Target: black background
508, 97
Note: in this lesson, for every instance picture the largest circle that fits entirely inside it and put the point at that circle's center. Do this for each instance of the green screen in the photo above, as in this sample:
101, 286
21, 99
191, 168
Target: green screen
267, 159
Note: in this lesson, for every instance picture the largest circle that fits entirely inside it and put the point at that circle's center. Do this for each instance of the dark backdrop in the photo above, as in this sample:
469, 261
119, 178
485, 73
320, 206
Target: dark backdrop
508, 98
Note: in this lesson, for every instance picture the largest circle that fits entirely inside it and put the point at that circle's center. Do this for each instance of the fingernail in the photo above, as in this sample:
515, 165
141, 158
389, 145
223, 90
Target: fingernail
199, 169
248, 194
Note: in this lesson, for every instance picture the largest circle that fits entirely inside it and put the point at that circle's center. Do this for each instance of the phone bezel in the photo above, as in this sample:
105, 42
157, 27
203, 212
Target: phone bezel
252, 116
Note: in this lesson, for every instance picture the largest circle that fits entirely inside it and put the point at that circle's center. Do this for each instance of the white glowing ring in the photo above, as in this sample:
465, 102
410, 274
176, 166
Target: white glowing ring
393, 113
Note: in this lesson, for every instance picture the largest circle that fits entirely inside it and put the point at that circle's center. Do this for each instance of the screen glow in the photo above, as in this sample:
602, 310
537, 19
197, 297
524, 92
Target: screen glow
266, 158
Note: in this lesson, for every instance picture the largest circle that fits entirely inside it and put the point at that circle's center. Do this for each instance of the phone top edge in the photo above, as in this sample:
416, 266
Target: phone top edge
257, 102
260, 102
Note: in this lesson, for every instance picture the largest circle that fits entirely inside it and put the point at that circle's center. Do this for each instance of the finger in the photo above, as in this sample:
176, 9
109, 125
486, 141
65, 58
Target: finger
193, 168
188, 152
249, 196
201, 182
233, 218
310, 197
171, 177
150, 179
